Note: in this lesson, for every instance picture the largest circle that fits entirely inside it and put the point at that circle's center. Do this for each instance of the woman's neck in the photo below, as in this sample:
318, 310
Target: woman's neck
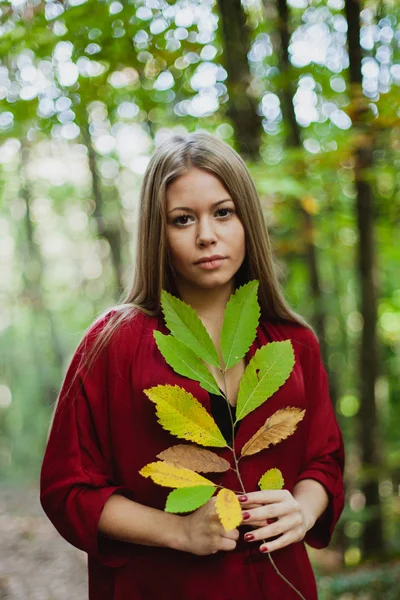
209, 303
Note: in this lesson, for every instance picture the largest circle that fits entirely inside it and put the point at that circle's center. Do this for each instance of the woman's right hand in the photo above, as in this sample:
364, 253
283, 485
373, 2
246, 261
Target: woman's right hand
204, 534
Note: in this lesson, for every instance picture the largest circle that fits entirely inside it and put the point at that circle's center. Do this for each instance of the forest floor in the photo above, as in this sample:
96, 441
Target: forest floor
35, 562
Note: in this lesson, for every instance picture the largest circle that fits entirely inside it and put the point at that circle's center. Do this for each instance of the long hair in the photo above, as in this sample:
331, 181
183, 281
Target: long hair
153, 273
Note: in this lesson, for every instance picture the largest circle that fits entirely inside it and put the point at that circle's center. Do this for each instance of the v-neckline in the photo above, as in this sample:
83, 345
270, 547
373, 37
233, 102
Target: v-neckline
221, 415
247, 358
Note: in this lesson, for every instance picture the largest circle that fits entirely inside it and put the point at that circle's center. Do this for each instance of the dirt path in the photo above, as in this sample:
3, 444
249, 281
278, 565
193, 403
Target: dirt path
35, 562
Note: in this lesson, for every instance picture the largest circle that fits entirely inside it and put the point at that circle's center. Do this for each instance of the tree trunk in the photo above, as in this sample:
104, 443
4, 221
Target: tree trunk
371, 440
293, 136
33, 271
105, 230
242, 108
339, 284
293, 140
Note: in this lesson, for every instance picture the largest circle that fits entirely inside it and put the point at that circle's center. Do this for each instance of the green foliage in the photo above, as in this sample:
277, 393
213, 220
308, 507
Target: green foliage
77, 268
266, 372
185, 362
240, 323
283, 186
184, 500
186, 326
369, 582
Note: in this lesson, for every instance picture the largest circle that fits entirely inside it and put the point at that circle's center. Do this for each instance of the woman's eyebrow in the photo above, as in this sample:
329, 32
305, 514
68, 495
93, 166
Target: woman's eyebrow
188, 209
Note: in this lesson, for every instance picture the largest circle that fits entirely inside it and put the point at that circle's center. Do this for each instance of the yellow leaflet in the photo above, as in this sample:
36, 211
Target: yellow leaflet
172, 476
271, 480
228, 509
181, 414
279, 426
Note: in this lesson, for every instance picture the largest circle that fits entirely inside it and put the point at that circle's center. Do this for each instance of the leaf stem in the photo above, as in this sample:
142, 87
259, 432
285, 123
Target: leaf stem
283, 577
236, 469
223, 371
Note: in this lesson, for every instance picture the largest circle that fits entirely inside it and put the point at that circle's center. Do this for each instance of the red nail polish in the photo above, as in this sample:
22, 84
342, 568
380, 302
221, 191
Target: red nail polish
245, 516
242, 498
248, 537
264, 549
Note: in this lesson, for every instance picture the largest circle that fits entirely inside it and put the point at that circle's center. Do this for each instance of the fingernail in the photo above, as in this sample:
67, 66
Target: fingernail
264, 549
245, 516
248, 537
242, 498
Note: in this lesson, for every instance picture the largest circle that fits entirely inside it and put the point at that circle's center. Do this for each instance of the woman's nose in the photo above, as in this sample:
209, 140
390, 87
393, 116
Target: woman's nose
206, 233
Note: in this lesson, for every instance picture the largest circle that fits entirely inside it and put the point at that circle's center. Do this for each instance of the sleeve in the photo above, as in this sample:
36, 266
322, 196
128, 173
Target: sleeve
324, 455
76, 476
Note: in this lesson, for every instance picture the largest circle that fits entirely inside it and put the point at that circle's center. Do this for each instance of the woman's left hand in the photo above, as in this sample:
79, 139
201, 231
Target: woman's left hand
274, 513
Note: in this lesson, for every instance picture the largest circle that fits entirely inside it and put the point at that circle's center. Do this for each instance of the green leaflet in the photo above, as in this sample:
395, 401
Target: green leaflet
187, 499
272, 480
185, 362
185, 325
240, 323
267, 371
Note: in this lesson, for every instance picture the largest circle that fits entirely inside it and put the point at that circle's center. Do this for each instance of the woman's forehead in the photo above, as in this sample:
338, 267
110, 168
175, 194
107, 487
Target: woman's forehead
196, 186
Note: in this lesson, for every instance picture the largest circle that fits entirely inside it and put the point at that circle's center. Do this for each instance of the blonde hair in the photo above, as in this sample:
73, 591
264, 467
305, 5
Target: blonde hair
153, 273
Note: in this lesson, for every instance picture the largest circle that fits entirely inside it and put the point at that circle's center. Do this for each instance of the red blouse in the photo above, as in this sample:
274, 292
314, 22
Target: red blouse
105, 430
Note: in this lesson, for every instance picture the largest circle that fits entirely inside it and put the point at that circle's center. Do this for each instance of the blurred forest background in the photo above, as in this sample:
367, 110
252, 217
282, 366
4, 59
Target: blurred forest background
308, 91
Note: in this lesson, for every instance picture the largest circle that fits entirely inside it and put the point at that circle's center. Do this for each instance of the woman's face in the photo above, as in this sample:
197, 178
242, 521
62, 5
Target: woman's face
202, 225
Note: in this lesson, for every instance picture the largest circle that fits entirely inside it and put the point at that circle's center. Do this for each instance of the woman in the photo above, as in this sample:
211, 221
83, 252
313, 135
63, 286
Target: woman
201, 235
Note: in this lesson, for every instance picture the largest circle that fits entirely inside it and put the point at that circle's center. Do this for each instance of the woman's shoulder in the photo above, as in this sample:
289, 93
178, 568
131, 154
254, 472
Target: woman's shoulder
119, 324
299, 334
126, 315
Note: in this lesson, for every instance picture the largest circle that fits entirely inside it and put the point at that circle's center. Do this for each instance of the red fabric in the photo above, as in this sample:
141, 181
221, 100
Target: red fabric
105, 430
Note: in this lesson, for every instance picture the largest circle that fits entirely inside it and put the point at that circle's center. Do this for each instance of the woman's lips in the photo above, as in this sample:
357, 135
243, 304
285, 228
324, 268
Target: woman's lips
210, 264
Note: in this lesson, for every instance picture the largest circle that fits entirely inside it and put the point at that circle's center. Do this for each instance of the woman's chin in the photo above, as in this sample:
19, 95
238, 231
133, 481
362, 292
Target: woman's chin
214, 281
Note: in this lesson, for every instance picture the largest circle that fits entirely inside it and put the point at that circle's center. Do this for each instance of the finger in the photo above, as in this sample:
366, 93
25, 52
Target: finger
245, 502
281, 542
268, 511
227, 544
264, 497
233, 534
258, 523
282, 526
249, 517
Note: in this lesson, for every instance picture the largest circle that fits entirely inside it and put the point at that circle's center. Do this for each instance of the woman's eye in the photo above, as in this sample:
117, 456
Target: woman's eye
181, 220
184, 220
225, 212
